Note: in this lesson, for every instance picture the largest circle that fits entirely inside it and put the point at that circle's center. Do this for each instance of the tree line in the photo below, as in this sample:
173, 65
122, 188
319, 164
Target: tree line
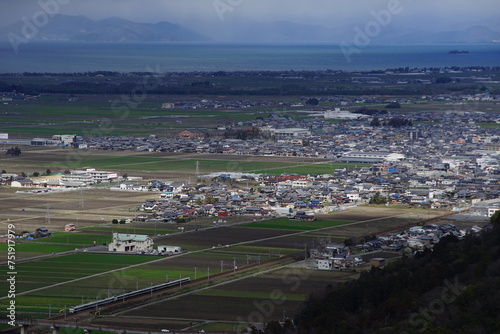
13, 151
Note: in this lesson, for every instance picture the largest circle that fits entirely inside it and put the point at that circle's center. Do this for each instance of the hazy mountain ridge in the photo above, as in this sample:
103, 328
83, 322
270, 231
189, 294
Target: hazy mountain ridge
81, 28
284, 31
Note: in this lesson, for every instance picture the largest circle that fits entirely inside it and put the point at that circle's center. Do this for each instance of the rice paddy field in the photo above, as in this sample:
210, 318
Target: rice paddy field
50, 285
160, 165
270, 296
287, 224
44, 282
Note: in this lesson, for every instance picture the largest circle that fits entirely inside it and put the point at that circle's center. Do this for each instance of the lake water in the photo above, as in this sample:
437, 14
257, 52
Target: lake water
186, 57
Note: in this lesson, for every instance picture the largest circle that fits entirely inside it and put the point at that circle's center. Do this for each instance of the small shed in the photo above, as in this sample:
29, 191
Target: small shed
325, 264
377, 262
69, 227
169, 249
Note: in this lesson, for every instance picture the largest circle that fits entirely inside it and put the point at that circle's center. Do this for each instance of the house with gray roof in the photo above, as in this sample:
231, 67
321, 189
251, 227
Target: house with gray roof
125, 242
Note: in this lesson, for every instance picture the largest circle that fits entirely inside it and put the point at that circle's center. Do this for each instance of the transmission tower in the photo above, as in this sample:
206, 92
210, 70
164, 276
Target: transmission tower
81, 199
47, 215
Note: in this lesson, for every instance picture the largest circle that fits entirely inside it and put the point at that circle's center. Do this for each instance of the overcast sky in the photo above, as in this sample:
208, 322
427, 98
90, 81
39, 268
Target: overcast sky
202, 14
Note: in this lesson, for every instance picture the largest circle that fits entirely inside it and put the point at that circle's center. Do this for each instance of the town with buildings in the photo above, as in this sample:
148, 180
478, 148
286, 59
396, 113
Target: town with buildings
432, 159
250, 167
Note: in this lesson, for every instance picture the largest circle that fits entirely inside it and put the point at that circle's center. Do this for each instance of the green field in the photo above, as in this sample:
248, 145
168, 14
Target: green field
41, 248
489, 125
122, 259
61, 268
243, 294
220, 327
77, 239
258, 250
288, 224
205, 166
128, 229
46, 272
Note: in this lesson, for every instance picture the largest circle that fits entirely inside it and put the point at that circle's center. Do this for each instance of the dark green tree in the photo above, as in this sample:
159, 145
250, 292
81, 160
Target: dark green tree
378, 199
273, 327
348, 242
495, 219
14, 151
375, 122
393, 105
312, 102
443, 80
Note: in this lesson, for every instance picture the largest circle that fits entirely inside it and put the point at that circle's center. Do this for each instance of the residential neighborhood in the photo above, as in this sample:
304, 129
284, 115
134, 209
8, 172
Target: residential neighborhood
442, 160
250, 167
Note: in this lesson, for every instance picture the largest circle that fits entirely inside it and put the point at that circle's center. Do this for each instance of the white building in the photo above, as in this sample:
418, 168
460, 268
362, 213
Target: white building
485, 208
65, 139
124, 242
353, 196
290, 133
169, 249
371, 157
87, 177
337, 113
102, 176
168, 105
76, 179
24, 183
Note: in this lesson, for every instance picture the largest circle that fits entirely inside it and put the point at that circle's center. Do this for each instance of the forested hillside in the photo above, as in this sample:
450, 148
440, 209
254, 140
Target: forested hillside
454, 288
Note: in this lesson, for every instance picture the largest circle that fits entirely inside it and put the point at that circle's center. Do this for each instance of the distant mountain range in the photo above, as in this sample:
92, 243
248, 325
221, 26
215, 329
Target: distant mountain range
83, 29
283, 31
